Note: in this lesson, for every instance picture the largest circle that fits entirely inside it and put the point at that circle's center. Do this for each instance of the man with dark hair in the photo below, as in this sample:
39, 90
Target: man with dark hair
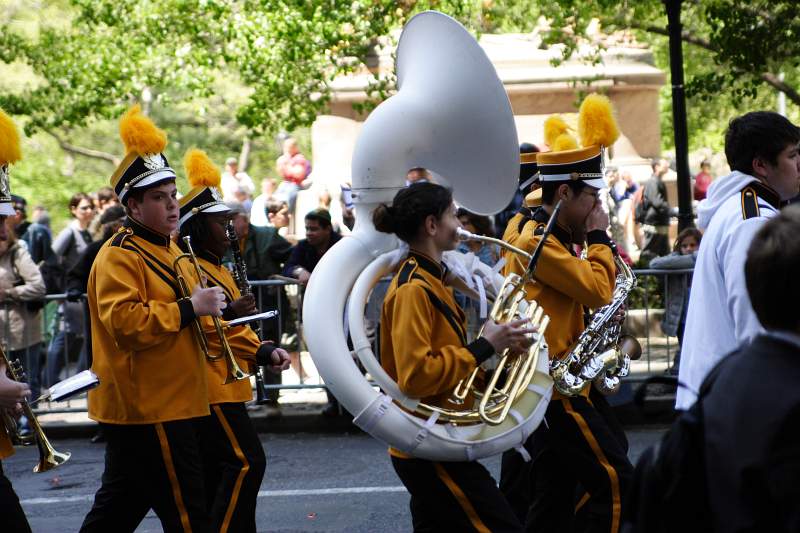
35, 235
753, 484
762, 151
653, 213
319, 239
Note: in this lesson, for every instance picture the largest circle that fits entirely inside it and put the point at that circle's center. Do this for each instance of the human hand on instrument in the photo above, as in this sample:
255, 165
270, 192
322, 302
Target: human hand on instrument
280, 360
12, 393
208, 302
246, 305
597, 218
513, 335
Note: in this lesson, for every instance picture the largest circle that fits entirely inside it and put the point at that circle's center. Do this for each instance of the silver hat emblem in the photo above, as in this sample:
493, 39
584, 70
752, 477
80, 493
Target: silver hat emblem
153, 161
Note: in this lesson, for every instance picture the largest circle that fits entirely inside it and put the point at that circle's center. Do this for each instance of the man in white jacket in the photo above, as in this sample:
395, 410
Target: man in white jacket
762, 151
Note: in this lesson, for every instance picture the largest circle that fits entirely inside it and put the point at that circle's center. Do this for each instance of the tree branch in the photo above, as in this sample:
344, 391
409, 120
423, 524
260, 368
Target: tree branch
86, 152
767, 77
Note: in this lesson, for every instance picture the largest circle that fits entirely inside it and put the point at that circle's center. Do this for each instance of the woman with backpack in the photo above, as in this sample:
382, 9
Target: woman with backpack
68, 246
21, 286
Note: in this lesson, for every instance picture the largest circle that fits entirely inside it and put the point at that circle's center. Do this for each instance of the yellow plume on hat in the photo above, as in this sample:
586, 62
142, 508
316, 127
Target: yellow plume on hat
139, 134
554, 127
9, 140
596, 123
563, 142
200, 171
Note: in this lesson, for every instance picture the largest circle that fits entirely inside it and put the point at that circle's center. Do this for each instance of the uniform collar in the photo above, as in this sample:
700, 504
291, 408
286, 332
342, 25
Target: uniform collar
437, 270
766, 193
560, 232
148, 234
208, 256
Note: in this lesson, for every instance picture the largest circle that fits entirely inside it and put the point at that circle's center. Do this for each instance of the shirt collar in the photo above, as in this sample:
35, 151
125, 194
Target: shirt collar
147, 233
560, 232
437, 270
208, 256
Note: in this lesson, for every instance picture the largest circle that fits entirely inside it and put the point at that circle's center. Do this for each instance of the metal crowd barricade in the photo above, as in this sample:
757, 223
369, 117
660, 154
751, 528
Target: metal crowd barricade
651, 298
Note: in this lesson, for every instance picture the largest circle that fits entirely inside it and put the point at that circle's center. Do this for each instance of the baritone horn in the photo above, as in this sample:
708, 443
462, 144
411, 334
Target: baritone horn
235, 373
49, 458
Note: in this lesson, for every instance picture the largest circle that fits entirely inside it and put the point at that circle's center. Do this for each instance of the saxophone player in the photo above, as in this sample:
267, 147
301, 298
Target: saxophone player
152, 371
580, 444
234, 459
424, 349
12, 393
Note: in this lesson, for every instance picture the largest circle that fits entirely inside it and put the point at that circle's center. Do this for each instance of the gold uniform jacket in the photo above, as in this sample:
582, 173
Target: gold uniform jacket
150, 366
6, 448
244, 342
565, 285
423, 335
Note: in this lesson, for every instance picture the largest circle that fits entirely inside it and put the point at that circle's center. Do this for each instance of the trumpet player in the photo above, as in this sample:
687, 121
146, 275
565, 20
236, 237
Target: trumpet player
234, 459
424, 349
152, 372
580, 448
12, 393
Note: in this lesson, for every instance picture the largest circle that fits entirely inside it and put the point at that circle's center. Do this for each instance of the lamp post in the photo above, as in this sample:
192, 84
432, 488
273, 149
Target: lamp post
685, 217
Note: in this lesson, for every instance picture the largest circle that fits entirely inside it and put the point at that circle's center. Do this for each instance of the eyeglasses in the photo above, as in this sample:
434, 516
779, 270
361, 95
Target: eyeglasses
86, 207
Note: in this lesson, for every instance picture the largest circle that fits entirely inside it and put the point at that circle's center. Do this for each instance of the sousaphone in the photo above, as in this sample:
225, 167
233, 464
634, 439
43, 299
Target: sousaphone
452, 116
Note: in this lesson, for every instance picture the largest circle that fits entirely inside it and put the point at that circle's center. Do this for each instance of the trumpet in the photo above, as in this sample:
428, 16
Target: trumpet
49, 458
235, 373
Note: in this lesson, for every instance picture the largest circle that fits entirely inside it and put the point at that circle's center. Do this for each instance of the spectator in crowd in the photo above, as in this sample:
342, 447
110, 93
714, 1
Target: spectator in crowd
348, 207
32, 235
68, 247
294, 169
653, 213
488, 254
278, 215
41, 216
752, 410
621, 193
264, 252
232, 180
418, 175
258, 211
683, 256
762, 151
320, 237
105, 197
21, 291
242, 196
702, 180
78, 276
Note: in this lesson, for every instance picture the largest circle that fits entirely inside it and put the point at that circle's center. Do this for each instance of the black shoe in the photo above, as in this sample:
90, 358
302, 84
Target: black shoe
331, 410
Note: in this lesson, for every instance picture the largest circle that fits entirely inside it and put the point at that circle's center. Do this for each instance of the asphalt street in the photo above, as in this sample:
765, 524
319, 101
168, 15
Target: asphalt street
314, 482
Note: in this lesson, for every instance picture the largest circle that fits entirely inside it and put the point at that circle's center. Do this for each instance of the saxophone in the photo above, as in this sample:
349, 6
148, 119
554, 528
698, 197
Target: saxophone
601, 354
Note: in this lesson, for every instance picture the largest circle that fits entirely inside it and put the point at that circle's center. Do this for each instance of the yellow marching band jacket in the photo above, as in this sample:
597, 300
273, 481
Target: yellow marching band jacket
145, 353
566, 286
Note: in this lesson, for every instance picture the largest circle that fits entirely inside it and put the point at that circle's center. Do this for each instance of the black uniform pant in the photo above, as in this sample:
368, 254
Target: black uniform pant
234, 465
12, 518
454, 496
151, 466
517, 476
580, 471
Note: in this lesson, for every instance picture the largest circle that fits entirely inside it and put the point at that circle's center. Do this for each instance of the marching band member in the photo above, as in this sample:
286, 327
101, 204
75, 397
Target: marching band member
152, 372
232, 452
530, 189
12, 393
577, 443
424, 349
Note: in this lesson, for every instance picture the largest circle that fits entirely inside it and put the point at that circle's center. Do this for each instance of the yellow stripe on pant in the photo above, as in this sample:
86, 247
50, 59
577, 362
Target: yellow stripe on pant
616, 508
173, 477
242, 473
462, 499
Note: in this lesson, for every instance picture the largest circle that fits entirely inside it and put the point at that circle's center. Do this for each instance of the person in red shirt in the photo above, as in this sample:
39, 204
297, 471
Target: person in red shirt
702, 181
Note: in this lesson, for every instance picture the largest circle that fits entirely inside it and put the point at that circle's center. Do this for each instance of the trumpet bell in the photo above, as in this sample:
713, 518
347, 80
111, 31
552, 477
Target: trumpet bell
51, 460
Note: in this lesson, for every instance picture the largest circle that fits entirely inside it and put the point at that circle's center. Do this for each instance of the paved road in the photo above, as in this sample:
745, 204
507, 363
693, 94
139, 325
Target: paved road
340, 482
